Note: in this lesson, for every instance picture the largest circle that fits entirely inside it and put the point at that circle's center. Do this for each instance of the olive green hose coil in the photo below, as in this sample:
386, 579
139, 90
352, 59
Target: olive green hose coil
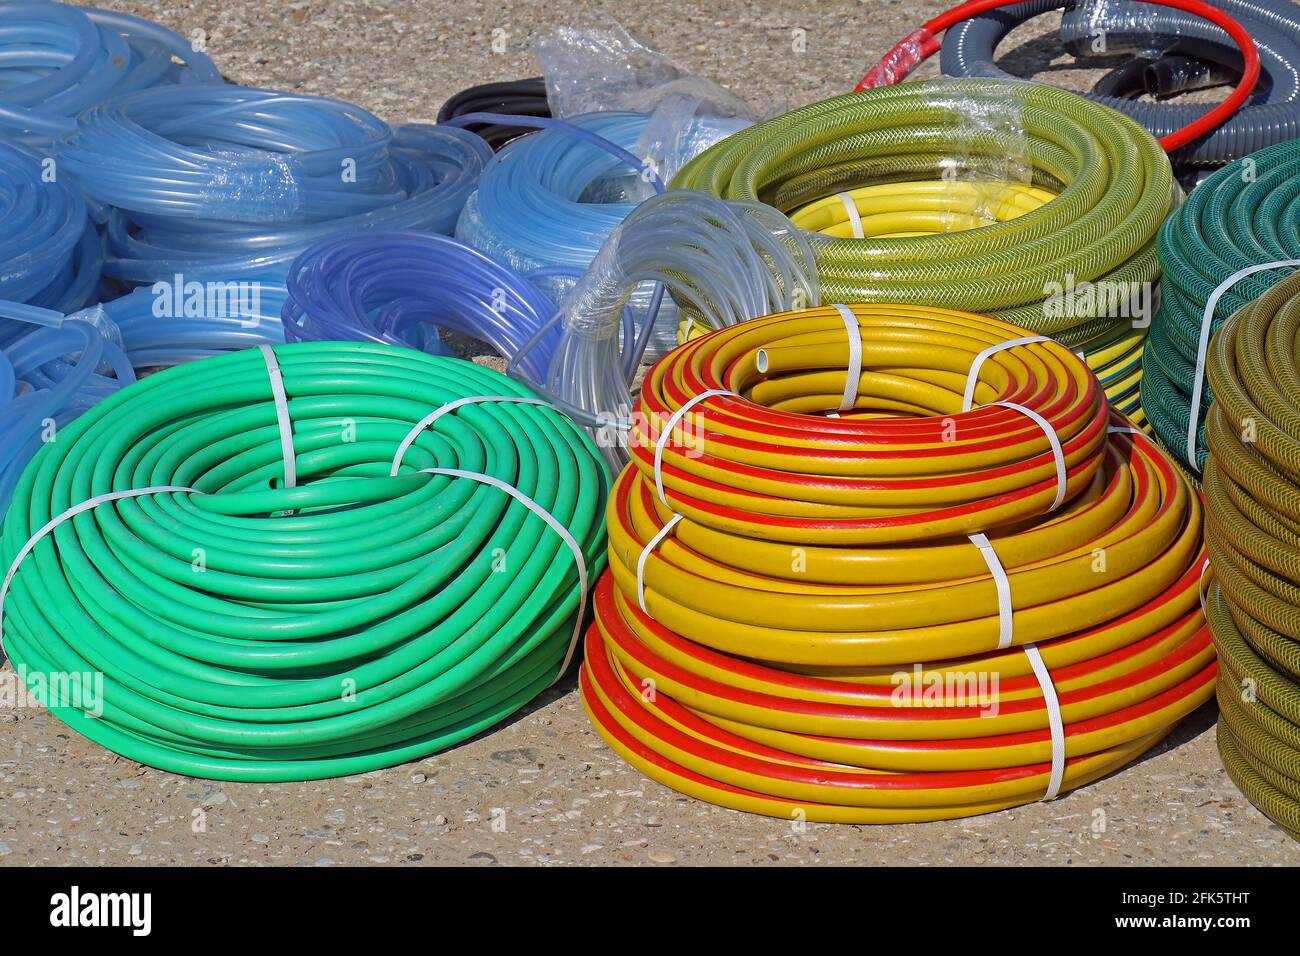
1252, 534
1114, 187
1246, 214
258, 632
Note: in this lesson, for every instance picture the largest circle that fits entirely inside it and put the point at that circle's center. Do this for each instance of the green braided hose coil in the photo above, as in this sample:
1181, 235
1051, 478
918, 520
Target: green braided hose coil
1113, 181
258, 632
1246, 214
1252, 535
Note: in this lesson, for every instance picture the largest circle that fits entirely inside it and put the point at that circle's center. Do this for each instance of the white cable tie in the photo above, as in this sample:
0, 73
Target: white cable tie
854, 370
645, 553
441, 410
1003, 585
282, 416
1203, 346
1200, 588
71, 513
1058, 453
1055, 721
855, 218
667, 432
565, 535
973, 376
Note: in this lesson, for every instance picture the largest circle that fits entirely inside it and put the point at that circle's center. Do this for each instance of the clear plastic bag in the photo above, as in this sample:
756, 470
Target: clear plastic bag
603, 69
987, 170
1100, 29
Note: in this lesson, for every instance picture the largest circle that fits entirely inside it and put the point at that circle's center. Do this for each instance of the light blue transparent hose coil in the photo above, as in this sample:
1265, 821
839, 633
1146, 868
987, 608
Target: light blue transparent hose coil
50, 254
57, 60
181, 320
48, 377
547, 202
221, 181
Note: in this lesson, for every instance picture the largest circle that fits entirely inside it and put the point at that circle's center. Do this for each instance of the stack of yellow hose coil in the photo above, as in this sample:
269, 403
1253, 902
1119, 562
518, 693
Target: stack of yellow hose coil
1252, 529
816, 635
1072, 256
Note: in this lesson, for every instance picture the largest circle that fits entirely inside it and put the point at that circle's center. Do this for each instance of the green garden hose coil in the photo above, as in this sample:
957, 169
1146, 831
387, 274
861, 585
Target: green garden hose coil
1252, 533
1113, 183
344, 614
1246, 214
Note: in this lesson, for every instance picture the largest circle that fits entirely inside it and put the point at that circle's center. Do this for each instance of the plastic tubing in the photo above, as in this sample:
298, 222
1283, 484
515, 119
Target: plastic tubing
364, 575
50, 254
401, 287
528, 210
57, 60
721, 263
48, 377
816, 636
1113, 189
215, 181
1270, 116
1246, 214
919, 45
169, 324
1252, 532
547, 202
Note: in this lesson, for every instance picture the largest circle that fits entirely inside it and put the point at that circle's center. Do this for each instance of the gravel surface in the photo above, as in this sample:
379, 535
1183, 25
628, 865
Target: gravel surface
544, 788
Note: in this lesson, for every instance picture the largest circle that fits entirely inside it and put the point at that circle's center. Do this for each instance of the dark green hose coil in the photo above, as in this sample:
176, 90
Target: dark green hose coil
1246, 214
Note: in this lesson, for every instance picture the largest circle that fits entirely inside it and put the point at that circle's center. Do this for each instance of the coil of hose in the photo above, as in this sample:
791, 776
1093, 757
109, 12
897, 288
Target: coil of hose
1271, 116
530, 211
220, 181
57, 60
367, 627
897, 210
1113, 187
169, 324
51, 254
401, 287
722, 263
1244, 215
819, 583
514, 98
48, 377
547, 202
1252, 533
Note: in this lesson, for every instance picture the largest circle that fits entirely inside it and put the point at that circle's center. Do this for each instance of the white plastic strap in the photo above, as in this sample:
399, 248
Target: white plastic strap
68, 515
855, 220
1003, 585
1122, 430
667, 433
973, 376
428, 420
282, 416
1053, 439
1200, 587
854, 371
1055, 721
645, 553
559, 529
1203, 346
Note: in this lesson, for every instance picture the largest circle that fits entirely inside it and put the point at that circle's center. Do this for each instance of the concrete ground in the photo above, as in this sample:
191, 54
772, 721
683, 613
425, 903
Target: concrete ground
544, 788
